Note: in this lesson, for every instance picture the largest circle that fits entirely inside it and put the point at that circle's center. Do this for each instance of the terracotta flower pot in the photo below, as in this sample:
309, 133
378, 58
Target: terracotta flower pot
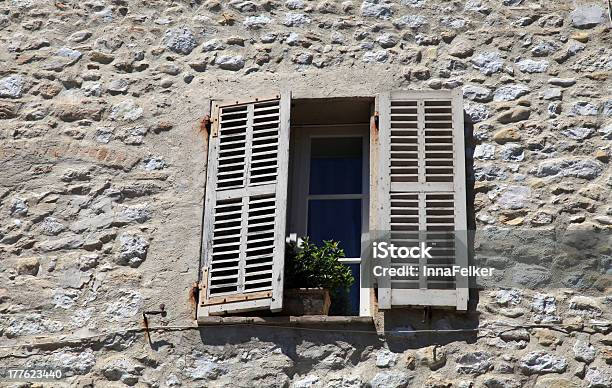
306, 301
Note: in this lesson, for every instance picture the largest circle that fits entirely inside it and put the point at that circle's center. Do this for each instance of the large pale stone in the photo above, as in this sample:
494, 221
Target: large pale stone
124, 305
477, 93
180, 40
484, 152
476, 112
386, 359
474, 363
376, 8
600, 377
391, 380
132, 250
488, 63
256, 22
584, 169
543, 304
583, 350
510, 92
128, 110
410, 21
587, 16
233, 63
11, 86
514, 197
531, 66
542, 363
296, 19
586, 306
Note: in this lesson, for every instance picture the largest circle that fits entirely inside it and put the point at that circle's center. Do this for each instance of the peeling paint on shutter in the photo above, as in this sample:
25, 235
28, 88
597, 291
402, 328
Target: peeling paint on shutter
245, 206
422, 185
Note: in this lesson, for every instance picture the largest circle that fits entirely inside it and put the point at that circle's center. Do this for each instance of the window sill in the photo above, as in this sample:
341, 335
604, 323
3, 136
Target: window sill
306, 320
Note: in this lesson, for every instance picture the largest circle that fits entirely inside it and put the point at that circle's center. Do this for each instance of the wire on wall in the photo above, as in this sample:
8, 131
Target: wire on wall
494, 331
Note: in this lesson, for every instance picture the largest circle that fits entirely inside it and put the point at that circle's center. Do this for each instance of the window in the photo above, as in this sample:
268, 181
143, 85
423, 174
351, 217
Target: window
317, 167
329, 184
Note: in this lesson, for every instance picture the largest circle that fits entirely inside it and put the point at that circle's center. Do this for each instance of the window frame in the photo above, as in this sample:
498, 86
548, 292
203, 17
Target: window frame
301, 136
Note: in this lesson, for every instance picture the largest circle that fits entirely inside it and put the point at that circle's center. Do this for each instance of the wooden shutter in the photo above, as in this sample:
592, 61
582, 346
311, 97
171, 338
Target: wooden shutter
245, 207
422, 186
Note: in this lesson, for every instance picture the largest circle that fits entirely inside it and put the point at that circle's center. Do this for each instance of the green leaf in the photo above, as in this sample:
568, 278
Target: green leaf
311, 266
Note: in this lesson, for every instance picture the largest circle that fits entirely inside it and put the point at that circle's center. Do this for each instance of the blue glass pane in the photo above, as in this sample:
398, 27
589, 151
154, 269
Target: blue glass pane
354, 290
338, 220
336, 165
346, 301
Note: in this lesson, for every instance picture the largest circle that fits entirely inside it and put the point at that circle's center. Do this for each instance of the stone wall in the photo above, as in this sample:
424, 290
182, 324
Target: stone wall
103, 166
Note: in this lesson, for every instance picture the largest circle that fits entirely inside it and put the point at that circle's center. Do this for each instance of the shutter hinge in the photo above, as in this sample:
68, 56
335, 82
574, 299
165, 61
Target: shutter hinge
375, 120
206, 124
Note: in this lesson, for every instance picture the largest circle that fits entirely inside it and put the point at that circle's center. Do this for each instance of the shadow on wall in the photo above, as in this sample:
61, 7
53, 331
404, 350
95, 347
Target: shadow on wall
409, 332
470, 145
351, 342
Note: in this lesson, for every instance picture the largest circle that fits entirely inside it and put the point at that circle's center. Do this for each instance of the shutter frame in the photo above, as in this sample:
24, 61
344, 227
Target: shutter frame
425, 185
250, 206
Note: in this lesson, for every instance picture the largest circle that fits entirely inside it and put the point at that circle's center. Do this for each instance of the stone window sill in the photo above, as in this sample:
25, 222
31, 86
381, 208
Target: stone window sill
305, 320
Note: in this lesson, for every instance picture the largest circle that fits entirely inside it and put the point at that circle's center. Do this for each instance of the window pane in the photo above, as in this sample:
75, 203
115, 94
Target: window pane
354, 290
346, 302
335, 165
338, 220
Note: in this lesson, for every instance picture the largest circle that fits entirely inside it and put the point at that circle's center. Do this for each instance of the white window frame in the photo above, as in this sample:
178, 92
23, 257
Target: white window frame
300, 177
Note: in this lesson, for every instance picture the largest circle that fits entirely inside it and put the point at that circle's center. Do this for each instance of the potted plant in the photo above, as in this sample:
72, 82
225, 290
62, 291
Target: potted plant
313, 272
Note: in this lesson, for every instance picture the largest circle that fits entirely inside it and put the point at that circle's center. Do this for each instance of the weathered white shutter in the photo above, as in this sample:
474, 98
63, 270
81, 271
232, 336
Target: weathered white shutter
422, 195
245, 207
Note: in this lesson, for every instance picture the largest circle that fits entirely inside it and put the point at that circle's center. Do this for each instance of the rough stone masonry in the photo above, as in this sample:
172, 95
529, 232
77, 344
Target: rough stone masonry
103, 167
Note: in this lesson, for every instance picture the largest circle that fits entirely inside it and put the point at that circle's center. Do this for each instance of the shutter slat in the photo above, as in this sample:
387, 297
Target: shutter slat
226, 277
264, 116
224, 269
230, 150
264, 168
269, 145
225, 261
266, 138
255, 273
261, 240
229, 121
259, 257
225, 245
228, 143
266, 108
225, 229
264, 123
